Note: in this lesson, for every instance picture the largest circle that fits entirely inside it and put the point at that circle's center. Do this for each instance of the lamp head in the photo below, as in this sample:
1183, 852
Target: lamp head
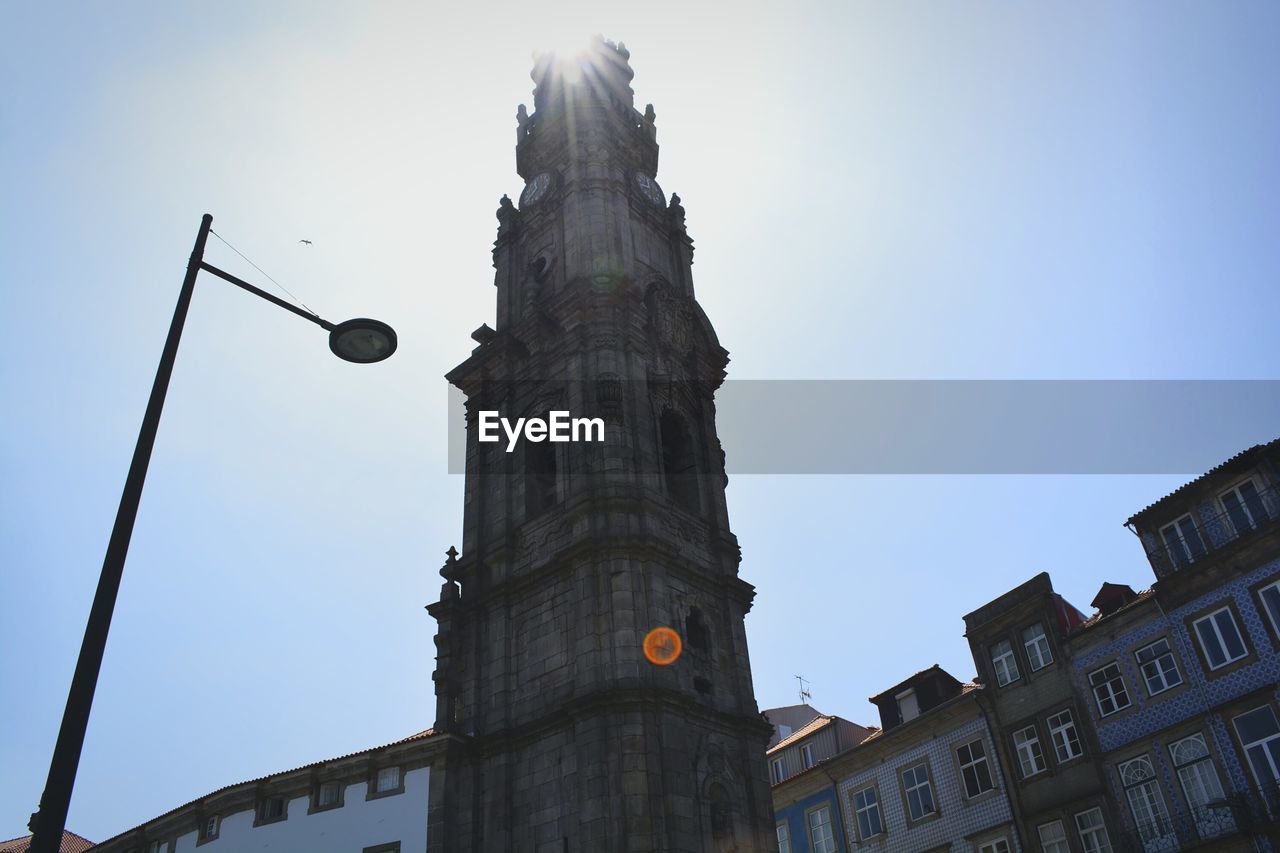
362, 340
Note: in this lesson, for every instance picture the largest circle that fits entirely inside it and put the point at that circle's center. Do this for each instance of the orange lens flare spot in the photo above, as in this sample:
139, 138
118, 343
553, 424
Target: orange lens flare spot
662, 646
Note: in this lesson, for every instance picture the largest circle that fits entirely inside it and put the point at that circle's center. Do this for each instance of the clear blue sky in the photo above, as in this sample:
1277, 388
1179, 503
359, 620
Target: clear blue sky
894, 190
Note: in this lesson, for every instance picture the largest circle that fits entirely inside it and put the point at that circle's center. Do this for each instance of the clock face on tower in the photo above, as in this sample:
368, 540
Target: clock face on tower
535, 189
649, 189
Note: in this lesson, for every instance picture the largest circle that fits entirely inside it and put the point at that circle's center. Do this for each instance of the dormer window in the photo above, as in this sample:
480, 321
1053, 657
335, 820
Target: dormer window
1244, 507
1182, 542
806, 756
908, 705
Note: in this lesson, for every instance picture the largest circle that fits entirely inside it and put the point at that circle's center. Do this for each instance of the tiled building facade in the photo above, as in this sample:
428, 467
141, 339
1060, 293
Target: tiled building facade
1183, 680
1151, 726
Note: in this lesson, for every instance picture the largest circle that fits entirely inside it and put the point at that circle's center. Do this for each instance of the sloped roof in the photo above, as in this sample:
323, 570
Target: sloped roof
817, 723
1235, 461
423, 735
897, 688
1101, 617
71, 843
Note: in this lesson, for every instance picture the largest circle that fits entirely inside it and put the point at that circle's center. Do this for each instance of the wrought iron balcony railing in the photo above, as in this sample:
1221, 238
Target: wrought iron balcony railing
1243, 813
1245, 516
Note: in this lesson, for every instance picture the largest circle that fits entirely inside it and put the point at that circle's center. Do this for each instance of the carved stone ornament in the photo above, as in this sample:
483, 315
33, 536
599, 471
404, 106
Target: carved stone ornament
672, 319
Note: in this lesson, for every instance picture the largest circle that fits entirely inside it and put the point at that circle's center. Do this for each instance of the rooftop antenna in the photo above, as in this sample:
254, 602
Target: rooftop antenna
805, 695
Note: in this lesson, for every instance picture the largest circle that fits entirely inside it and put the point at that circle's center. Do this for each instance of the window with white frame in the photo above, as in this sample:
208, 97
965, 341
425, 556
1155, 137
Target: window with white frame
158, 847
1244, 506
806, 756
387, 781
1182, 541
1065, 739
1053, 837
328, 795
998, 845
208, 828
1201, 786
1220, 639
1039, 655
1259, 732
1158, 667
1108, 689
1026, 744
778, 769
821, 838
1003, 663
974, 770
1092, 830
866, 808
784, 838
1270, 597
919, 793
784, 731
908, 704
1146, 802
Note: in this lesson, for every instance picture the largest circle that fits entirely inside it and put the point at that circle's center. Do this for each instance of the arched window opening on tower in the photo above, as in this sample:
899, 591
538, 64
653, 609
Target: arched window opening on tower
679, 462
720, 815
539, 477
695, 633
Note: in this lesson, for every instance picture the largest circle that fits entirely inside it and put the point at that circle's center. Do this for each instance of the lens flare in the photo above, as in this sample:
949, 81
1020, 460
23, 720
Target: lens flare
662, 646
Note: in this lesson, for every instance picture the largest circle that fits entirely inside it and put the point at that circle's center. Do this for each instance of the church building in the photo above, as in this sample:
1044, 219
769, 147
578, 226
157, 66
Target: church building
593, 687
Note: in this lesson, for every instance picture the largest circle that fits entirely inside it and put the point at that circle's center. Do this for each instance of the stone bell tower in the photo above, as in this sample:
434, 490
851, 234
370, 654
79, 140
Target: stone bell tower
564, 736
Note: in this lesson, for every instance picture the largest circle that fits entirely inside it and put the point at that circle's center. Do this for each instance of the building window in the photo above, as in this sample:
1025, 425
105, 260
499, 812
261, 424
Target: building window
1146, 803
1244, 507
679, 462
784, 838
1270, 597
915, 784
999, 845
158, 847
1108, 689
1039, 655
1201, 786
208, 829
1063, 735
1259, 734
328, 795
974, 769
806, 756
1093, 832
1004, 663
1159, 669
821, 839
779, 770
539, 477
389, 780
1182, 542
1030, 756
270, 810
784, 732
1053, 838
1220, 639
867, 810
908, 705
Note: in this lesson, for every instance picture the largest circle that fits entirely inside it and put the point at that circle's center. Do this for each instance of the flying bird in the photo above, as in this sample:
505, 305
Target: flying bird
308, 242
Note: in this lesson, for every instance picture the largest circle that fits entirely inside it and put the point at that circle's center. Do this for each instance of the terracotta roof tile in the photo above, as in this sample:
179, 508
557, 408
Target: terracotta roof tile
1249, 452
804, 731
71, 843
423, 735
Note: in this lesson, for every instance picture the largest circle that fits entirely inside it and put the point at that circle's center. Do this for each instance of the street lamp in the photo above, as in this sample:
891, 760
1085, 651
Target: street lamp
362, 341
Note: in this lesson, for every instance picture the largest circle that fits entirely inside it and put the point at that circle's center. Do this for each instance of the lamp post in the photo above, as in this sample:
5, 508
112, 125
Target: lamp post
361, 340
